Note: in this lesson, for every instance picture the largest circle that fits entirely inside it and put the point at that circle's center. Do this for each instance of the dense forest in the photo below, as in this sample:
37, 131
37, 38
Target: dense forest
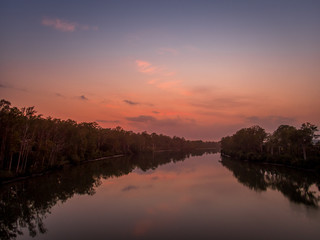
287, 145
30, 143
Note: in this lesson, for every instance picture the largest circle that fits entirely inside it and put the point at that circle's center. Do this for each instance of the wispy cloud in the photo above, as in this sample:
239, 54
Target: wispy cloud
9, 86
129, 188
166, 122
58, 24
82, 97
134, 103
131, 102
107, 121
162, 78
141, 118
65, 26
148, 68
59, 95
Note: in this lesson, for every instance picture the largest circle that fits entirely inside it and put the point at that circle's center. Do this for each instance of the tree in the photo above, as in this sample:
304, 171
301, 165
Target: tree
245, 142
306, 134
284, 138
30, 143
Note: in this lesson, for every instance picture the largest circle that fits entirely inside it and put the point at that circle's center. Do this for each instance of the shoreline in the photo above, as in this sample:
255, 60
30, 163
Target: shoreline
21, 178
271, 164
48, 171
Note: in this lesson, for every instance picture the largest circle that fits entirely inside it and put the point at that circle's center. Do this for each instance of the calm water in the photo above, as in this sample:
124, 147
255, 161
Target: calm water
164, 197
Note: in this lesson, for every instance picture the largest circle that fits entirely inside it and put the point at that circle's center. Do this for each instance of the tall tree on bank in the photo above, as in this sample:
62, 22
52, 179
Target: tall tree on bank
307, 134
245, 142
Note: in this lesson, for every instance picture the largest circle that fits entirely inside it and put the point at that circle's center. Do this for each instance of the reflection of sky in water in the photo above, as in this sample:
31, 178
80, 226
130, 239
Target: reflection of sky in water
194, 199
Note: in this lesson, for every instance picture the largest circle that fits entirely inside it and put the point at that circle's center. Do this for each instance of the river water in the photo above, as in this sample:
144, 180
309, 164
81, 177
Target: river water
164, 196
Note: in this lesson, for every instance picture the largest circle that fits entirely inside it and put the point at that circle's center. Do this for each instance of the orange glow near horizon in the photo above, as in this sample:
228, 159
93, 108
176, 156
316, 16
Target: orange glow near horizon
172, 104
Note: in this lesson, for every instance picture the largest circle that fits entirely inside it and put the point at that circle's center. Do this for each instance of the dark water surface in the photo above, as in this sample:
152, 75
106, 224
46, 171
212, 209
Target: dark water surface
164, 196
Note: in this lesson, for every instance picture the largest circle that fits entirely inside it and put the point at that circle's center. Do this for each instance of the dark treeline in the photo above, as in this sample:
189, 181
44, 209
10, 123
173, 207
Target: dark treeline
287, 145
30, 143
25, 204
298, 186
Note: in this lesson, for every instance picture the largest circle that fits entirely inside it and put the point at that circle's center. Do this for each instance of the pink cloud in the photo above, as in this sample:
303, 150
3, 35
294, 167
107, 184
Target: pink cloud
85, 27
65, 26
162, 78
59, 24
146, 67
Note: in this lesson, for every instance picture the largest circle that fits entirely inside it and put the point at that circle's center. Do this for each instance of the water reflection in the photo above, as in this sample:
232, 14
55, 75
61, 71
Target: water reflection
198, 197
298, 186
27, 203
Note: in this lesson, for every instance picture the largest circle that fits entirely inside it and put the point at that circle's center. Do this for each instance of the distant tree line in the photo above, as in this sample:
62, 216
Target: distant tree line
30, 143
287, 145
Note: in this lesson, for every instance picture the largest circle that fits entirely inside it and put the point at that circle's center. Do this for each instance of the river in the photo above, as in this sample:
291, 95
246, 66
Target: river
164, 196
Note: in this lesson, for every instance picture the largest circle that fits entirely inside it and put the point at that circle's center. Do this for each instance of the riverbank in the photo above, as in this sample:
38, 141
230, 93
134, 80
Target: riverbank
302, 167
6, 180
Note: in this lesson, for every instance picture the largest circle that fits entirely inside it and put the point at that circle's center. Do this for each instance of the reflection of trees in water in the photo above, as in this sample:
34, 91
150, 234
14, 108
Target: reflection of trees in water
297, 186
25, 204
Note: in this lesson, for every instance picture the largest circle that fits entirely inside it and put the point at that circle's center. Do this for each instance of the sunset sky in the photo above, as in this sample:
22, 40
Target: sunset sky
194, 69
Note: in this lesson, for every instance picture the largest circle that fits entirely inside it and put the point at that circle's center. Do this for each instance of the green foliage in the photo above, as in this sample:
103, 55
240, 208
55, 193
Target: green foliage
245, 141
30, 143
287, 145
